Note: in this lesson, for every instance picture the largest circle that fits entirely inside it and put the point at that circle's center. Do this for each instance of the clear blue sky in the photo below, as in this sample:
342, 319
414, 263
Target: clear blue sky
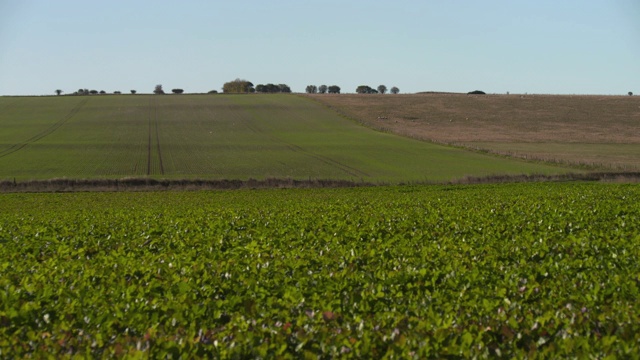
520, 46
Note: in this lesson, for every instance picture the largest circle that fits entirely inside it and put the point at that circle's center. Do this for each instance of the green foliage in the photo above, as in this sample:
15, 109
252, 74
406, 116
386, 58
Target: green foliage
529, 270
238, 86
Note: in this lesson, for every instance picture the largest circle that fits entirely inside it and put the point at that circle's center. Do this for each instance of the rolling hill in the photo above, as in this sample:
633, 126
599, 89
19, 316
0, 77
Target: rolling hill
219, 137
592, 131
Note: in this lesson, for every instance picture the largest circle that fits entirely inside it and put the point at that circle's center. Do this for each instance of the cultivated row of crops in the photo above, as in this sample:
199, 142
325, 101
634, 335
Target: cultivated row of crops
414, 272
219, 137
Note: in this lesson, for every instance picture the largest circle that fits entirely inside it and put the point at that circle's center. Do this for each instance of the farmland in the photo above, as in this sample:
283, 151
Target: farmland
219, 137
513, 270
600, 132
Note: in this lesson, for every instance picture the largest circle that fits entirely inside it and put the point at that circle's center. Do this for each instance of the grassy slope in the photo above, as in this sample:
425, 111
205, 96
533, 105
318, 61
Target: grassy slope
234, 137
599, 131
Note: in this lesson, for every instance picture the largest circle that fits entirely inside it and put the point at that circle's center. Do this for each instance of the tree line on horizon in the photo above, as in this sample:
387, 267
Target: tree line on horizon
241, 86
322, 89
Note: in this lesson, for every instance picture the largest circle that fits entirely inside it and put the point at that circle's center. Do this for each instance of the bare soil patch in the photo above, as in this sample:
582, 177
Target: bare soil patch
476, 121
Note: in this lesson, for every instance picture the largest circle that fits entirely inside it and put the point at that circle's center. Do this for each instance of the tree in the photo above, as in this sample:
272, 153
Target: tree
238, 86
365, 89
213, 92
382, 89
333, 89
630, 93
133, 92
102, 92
58, 92
158, 90
272, 88
93, 92
395, 90
322, 89
311, 89
117, 92
177, 91
284, 88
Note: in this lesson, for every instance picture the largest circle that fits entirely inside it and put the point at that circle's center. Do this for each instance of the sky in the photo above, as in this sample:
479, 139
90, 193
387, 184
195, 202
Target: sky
498, 46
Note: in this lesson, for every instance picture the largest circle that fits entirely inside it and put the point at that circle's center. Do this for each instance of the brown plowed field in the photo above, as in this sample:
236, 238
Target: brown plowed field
595, 131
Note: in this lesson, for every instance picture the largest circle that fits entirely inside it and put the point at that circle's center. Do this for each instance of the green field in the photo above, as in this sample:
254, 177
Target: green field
218, 137
520, 270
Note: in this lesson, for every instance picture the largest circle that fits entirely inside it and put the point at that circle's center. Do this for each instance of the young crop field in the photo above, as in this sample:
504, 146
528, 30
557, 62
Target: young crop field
520, 270
601, 132
219, 137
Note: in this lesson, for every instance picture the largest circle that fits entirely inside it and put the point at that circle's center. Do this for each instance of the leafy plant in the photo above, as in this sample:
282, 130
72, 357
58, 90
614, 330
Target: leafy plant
528, 270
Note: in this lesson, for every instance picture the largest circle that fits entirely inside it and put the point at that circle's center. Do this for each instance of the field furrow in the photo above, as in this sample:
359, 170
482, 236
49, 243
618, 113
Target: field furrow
154, 149
48, 131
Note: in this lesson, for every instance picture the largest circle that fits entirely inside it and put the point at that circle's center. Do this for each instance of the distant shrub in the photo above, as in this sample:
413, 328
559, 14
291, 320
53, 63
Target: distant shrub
93, 92
477, 92
133, 92
177, 91
117, 92
238, 86
213, 92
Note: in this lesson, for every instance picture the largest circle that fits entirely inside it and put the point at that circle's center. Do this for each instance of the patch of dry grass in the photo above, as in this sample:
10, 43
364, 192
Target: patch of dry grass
493, 123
